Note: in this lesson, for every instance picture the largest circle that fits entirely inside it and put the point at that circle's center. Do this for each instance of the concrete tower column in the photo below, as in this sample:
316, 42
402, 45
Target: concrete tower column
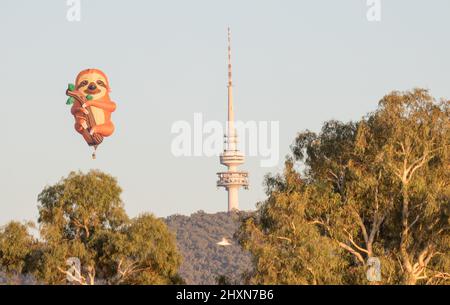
233, 200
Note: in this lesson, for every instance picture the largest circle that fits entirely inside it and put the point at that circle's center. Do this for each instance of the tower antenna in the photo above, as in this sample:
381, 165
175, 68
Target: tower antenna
230, 78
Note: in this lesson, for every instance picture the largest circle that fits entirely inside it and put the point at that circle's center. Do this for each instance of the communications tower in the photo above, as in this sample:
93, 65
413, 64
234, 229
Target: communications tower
232, 179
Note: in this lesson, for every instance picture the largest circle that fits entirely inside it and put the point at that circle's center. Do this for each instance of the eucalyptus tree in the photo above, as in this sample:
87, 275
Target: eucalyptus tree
378, 187
83, 217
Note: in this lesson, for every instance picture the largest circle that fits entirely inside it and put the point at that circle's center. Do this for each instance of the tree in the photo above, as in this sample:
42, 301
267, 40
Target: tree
83, 217
375, 188
16, 246
286, 247
411, 133
388, 169
349, 196
143, 252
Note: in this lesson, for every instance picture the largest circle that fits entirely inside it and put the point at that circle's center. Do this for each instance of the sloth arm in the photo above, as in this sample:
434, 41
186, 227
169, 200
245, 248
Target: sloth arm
107, 106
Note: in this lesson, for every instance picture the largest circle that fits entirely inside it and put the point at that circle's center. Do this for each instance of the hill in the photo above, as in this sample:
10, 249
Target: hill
204, 261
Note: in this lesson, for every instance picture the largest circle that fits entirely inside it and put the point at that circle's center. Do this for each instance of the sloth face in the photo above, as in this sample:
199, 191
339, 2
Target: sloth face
93, 84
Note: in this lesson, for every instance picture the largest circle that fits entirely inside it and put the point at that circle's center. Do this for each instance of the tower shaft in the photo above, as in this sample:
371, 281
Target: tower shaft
233, 198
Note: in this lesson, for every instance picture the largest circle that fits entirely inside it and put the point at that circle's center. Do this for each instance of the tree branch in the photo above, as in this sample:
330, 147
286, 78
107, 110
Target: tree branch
361, 225
352, 251
80, 280
350, 238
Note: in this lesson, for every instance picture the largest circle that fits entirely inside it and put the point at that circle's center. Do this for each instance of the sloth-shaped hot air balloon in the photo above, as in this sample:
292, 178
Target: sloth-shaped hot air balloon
91, 106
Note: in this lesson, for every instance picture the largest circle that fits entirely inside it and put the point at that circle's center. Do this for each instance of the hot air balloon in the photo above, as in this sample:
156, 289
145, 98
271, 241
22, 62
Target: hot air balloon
91, 106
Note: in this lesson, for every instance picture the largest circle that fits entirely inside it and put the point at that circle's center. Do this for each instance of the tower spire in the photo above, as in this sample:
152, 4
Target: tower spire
230, 78
231, 157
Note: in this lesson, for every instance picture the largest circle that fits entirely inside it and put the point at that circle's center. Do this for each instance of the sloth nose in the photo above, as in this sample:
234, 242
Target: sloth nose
92, 86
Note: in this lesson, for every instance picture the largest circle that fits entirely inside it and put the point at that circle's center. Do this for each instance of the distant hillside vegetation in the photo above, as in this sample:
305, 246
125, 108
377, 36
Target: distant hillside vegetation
205, 261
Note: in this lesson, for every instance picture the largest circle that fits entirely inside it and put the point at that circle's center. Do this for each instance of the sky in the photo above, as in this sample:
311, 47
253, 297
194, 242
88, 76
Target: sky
299, 63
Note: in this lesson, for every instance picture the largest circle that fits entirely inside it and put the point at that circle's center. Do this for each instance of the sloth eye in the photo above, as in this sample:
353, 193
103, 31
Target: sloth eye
83, 83
101, 83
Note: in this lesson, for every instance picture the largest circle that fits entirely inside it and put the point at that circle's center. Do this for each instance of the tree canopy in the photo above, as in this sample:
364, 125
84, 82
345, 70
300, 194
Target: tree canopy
378, 187
16, 247
82, 219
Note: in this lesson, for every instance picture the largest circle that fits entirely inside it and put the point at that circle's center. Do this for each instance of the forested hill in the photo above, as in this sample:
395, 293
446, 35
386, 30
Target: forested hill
203, 260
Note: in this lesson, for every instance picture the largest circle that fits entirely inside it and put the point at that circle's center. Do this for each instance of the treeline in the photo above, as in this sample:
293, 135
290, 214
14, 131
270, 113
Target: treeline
374, 195
87, 238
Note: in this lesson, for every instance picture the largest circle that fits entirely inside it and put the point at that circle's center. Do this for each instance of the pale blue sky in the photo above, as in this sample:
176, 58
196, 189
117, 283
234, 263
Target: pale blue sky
297, 62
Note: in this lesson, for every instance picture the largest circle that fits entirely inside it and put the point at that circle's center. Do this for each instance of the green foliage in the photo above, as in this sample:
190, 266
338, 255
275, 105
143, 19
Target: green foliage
375, 188
82, 216
145, 251
72, 213
81, 205
16, 245
410, 135
286, 248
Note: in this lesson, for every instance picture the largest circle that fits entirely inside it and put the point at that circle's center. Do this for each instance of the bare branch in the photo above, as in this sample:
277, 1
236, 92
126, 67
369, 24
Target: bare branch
80, 280
313, 274
352, 251
361, 225
413, 223
333, 174
284, 238
417, 164
375, 227
354, 244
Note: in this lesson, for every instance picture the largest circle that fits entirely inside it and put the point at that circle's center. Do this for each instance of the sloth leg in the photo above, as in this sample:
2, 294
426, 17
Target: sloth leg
105, 129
